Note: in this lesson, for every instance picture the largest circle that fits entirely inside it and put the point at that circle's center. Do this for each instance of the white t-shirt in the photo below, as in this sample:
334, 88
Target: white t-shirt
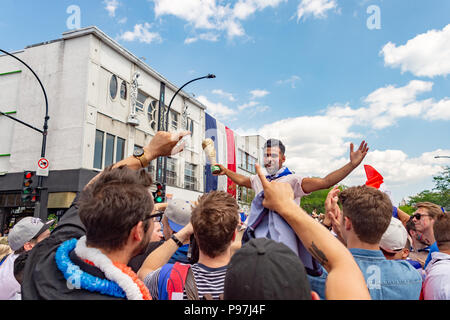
9, 287
437, 279
293, 179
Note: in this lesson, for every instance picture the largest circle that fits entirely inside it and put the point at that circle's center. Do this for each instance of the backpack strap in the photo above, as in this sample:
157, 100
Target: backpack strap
164, 275
191, 286
177, 280
208, 296
4, 258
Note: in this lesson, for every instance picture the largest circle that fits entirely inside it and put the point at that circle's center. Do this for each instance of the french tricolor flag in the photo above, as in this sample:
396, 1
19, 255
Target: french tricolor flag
224, 143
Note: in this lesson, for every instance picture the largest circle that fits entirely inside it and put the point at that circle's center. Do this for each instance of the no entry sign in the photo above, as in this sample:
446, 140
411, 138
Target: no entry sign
42, 168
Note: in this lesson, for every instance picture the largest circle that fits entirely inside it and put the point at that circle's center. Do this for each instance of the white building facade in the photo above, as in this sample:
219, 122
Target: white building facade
94, 120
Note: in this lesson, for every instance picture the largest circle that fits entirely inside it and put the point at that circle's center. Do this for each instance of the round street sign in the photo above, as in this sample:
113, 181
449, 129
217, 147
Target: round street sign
43, 163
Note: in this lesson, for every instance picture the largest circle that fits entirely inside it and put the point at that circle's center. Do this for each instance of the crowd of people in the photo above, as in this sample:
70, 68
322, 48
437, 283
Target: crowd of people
115, 243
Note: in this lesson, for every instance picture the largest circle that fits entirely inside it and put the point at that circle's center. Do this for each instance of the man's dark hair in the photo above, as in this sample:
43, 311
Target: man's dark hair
19, 266
369, 210
113, 204
441, 230
410, 225
275, 143
214, 220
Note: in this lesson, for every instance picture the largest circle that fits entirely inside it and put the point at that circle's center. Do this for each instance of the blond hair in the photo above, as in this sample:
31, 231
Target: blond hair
4, 250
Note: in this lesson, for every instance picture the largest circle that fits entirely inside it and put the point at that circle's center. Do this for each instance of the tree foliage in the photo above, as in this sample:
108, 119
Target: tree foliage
316, 200
439, 195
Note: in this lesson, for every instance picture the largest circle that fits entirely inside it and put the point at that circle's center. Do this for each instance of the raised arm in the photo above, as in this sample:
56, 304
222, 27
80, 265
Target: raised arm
237, 178
162, 144
161, 255
356, 157
345, 280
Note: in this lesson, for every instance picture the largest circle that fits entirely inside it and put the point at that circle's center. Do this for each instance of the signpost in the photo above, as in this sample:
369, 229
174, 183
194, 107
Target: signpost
42, 168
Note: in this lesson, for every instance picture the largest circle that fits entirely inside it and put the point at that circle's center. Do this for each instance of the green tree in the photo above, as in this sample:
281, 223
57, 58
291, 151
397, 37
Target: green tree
316, 200
440, 194
407, 209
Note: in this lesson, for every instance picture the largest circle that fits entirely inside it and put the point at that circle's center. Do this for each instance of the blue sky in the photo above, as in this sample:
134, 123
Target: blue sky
310, 72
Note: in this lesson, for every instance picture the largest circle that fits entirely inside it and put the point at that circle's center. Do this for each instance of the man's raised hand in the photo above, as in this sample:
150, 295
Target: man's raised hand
356, 157
163, 143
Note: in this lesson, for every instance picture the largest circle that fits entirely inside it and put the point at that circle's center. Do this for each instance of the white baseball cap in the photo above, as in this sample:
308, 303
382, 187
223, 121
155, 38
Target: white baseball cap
178, 213
395, 237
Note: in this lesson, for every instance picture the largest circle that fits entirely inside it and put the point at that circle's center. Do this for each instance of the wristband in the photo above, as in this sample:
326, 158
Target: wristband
178, 242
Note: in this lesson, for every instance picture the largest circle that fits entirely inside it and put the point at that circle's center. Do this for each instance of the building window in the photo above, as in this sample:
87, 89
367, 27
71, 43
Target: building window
152, 169
190, 181
173, 120
109, 150
113, 87
245, 195
140, 100
190, 126
152, 114
120, 149
239, 161
171, 172
246, 162
98, 150
123, 90
251, 164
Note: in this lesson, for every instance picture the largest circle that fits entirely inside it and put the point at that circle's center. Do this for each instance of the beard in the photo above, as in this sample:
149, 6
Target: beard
142, 247
272, 168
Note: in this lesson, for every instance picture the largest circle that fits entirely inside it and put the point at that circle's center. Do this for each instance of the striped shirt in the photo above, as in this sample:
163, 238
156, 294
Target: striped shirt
208, 281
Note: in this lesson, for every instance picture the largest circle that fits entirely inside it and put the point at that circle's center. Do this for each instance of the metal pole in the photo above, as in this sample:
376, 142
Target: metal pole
37, 207
166, 126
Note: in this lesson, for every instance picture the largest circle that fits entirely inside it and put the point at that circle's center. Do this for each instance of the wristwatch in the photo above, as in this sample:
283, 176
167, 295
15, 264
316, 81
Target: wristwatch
178, 242
139, 154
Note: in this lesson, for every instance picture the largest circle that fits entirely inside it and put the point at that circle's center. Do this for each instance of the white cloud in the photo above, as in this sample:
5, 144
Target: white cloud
426, 55
141, 33
247, 105
257, 93
217, 110
208, 36
211, 15
122, 20
224, 94
315, 8
291, 81
318, 145
386, 105
111, 6
439, 110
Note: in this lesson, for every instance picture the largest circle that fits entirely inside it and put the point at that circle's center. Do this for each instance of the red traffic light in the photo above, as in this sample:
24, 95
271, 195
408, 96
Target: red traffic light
28, 175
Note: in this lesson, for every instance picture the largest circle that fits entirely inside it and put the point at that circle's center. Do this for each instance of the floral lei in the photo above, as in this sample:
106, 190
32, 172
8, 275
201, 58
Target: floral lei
124, 282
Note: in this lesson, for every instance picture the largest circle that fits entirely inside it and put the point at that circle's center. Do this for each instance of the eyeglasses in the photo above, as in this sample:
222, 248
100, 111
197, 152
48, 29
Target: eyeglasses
418, 216
157, 217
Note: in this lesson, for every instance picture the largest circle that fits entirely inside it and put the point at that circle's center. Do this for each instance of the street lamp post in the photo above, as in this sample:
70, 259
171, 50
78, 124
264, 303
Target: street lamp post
437, 157
44, 132
165, 126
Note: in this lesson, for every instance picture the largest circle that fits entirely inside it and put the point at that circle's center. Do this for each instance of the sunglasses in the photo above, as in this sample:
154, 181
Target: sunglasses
418, 216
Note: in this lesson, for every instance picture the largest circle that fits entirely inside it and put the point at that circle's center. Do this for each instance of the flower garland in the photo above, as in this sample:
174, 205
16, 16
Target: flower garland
76, 278
119, 273
124, 282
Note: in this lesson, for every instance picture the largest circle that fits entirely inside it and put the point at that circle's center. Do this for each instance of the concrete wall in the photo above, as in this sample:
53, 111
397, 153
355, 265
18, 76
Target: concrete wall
62, 68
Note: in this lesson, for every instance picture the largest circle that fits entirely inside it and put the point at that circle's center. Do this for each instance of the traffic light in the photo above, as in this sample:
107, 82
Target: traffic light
159, 196
27, 189
34, 196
